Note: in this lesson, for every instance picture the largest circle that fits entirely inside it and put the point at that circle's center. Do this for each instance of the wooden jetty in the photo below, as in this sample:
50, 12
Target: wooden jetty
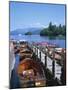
40, 65
56, 57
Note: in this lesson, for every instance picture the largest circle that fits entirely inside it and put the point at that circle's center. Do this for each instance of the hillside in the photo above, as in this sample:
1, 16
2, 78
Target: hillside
34, 31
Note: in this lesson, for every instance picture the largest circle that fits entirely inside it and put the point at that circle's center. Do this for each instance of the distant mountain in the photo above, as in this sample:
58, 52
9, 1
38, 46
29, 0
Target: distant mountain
18, 31
34, 31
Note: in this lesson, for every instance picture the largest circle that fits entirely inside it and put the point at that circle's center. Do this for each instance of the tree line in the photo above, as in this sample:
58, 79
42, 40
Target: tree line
53, 30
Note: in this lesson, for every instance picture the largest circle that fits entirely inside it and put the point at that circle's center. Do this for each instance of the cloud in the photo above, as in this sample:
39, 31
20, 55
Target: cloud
37, 24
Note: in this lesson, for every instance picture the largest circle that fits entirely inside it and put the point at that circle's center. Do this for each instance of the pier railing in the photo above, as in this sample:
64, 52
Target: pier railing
50, 63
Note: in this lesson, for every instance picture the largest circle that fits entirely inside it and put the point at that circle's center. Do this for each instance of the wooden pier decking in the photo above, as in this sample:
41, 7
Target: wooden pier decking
56, 58
52, 62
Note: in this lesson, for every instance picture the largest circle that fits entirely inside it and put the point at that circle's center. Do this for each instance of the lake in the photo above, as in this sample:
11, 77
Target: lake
61, 42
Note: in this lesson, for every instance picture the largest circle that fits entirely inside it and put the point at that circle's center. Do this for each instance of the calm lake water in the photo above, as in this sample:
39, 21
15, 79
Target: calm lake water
37, 38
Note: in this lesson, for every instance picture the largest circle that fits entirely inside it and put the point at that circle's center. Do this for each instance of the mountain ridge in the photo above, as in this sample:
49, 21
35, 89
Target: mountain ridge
33, 30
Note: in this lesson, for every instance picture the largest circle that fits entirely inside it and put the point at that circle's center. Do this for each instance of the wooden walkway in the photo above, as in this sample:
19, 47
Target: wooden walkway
55, 66
54, 69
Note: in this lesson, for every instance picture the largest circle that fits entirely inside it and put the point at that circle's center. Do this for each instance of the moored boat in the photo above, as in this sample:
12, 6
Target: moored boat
31, 71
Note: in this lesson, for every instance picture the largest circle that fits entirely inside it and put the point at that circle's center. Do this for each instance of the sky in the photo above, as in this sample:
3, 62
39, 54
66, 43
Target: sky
25, 15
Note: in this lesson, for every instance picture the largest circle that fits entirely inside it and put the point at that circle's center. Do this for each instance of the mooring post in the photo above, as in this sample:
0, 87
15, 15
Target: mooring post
63, 69
45, 61
37, 51
53, 65
34, 49
53, 68
40, 54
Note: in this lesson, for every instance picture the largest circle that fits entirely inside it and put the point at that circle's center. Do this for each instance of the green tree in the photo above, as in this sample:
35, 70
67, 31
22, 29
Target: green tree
54, 30
28, 33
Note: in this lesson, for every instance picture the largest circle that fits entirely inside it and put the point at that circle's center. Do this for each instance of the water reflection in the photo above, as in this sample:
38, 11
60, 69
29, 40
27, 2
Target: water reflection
37, 38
